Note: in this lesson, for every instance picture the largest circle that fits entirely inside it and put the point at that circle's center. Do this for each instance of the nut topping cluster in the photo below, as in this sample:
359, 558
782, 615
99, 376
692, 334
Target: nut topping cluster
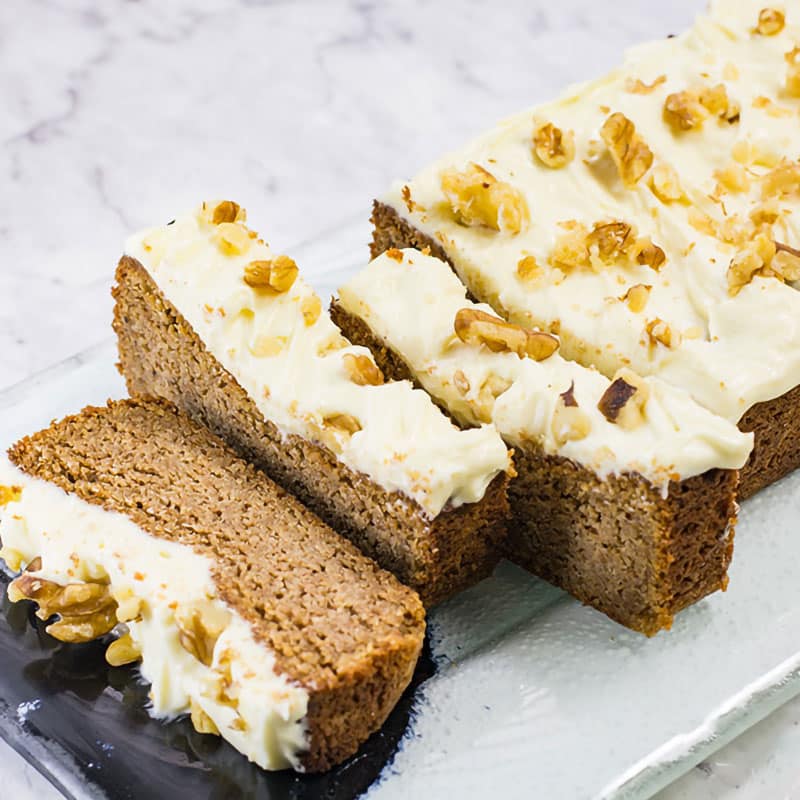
631, 154
553, 147
362, 370
477, 327
766, 258
689, 109
771, 22
608, 244
477, 198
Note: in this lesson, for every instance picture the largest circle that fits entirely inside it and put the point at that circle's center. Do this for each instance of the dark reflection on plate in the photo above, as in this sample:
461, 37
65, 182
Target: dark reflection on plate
72, 700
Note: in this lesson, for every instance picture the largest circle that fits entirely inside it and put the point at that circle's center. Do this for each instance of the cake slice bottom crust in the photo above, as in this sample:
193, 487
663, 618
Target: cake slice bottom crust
775, 423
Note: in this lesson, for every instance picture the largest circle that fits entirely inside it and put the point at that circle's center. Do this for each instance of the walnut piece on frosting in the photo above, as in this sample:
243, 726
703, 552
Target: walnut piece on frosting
362, 370
86, 610
766, 258
476, 198
665, 184
771, 22
277, 274
631, 154
9, 494
219, 211
637, 86
232, 238
528, 269
570, 422
637, 296
624, 401
659, 332
200, 624
793, 72
310, 308
477, 327
344, 423
122, 651
552, 146
781, 181
689, 109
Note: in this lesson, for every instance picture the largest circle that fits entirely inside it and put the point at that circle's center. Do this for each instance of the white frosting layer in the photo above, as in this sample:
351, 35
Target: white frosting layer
734, 351
259, 711
405, 443
677, 438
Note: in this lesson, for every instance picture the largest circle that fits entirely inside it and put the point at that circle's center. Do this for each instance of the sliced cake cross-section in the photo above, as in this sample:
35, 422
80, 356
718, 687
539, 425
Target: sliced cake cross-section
246, 610
210, 319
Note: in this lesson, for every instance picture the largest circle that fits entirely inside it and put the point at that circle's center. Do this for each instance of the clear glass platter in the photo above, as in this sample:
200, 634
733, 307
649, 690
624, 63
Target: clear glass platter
532, 694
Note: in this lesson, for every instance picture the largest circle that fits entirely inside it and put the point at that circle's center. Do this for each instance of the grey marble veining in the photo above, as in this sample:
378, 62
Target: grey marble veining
116, 113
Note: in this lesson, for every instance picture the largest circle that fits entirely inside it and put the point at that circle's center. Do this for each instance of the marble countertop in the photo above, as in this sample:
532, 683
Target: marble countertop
117, 112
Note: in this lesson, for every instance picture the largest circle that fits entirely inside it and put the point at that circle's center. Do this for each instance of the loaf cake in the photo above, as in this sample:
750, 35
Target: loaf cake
246, 610
650, 218
210, 319
625, 493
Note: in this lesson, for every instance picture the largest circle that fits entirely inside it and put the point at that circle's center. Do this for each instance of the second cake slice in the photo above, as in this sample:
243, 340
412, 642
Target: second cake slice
210, 319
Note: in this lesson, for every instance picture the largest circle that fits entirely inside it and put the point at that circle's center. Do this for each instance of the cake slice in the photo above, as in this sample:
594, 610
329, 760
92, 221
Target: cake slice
210, 319
246, 610
650, 218
625, 493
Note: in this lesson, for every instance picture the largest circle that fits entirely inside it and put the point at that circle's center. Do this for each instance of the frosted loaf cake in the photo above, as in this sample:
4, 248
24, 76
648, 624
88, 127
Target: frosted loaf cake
650, 218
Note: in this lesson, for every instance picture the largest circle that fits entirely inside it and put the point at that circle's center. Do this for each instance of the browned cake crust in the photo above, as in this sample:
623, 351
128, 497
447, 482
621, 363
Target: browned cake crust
775, 423
615, 544
161, 355
339, 625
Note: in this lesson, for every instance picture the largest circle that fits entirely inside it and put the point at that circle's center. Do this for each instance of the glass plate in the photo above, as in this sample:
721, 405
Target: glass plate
526, 693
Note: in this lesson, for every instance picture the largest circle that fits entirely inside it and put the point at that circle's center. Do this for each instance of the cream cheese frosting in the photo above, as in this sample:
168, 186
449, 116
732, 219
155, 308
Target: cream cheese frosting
290, 357
703, 197
675, 439
258, 710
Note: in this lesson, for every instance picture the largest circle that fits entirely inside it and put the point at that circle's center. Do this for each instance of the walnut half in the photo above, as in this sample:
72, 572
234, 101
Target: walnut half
86, 610
473, 326
552, 146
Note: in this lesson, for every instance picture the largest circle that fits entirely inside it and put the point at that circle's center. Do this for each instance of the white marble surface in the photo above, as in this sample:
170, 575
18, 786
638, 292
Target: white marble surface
116, 113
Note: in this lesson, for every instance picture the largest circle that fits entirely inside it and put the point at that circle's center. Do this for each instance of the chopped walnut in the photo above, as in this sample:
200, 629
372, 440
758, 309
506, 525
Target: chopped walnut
570, 250
763, 257
636, 86
568, 396
265, 346
786, 263
733, 178
683, 111
200, 624
122, 651
793, 72
395, 254
629, 151
201, 722
310, 308
659, 332
623, 402
665, 184
345, 423
232, 238
221, 211
9, 494
528, 269
716, 101
553, 147
569, 423
637, 296
770, 22
478, 198
362, 370
781, 181
277, 275
477, 327
461, 382
86, 610
650, 255
405, 194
